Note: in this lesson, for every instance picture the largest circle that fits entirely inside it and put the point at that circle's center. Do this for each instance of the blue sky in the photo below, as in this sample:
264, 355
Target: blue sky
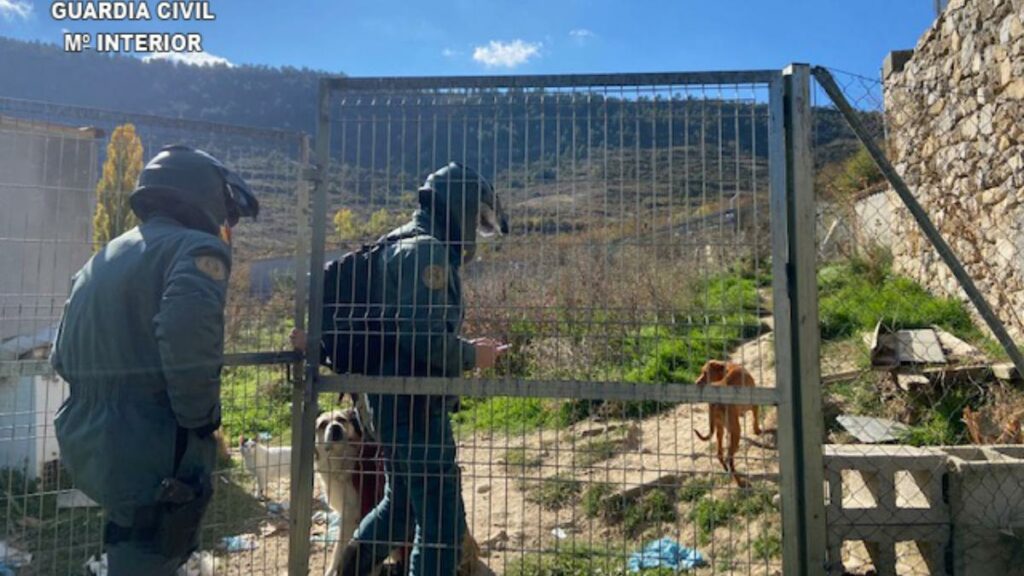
389, 37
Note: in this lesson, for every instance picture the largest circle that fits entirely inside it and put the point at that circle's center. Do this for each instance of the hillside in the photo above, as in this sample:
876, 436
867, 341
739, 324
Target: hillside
251, 95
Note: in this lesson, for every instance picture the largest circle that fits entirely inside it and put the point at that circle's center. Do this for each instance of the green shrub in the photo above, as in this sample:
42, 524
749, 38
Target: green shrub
650, 510
555, 492
523, 458
767, 546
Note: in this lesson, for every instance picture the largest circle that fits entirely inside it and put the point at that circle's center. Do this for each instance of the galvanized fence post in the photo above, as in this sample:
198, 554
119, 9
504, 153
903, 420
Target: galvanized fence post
797, 336
298, 549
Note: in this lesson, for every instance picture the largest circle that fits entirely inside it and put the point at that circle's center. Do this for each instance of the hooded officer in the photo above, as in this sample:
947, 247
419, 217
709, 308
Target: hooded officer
141, 346
422, 292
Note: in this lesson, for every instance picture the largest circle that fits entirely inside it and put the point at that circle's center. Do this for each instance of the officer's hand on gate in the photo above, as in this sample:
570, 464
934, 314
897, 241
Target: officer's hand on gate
298, 339
488, 350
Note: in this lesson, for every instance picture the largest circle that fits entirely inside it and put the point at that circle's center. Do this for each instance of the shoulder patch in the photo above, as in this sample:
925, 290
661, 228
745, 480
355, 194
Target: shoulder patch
213, 267
435, 277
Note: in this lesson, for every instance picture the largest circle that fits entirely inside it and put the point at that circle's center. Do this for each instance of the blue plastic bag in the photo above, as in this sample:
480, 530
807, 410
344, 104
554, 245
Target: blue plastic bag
665, 553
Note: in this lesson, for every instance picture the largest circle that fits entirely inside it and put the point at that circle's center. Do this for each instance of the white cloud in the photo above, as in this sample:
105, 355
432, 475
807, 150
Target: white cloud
506, 54
188, 58
11, 9
581, 35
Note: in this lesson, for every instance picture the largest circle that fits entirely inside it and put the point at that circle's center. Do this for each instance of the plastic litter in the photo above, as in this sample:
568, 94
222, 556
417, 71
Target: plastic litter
199, 564
665, 553
240, 543
560, 533
333, 521
12, 557
279, 508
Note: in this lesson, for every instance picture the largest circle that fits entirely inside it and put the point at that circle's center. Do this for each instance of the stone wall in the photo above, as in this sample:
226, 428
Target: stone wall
955, 131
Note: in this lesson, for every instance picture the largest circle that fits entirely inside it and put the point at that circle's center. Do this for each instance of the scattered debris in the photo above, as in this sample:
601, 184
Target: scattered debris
199, 564
956, 349
240, 543
277, 508
560, 533
1005, 371
333, 521
981, 429
871, 430
495, 543
483, 489
665, 553
11, 557
889, 349
912, 382
74, 499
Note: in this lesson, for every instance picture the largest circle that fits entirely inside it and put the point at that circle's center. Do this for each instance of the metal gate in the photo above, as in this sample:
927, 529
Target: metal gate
658, 221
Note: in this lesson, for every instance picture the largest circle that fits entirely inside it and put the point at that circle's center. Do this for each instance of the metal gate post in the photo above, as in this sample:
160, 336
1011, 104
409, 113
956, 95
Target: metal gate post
305, 412
797, 335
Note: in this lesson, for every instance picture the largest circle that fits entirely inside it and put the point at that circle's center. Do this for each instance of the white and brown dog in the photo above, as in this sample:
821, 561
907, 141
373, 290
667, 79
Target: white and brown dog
351, 472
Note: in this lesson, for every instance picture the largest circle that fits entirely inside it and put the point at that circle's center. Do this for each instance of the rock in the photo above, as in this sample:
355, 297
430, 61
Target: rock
1010, 29
993, 195
1014, 90
495, 541
1005, 371
483, 489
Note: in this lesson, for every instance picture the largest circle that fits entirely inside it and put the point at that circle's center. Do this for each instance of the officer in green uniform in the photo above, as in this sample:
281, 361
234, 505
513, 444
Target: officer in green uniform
141, 347
422, 293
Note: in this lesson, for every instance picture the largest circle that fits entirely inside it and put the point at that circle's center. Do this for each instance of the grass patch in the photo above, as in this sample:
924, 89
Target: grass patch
523, 458
653, 509
577, 560
505, 415
767, 546
693, 489
555, 492
855, 296
254, 400
711, 513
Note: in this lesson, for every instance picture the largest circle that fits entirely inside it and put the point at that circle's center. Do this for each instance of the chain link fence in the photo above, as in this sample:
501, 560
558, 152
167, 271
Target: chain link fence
53, 159
923, 404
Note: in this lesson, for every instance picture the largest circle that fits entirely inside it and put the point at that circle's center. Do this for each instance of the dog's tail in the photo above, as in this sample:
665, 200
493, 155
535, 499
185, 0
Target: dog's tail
701, 436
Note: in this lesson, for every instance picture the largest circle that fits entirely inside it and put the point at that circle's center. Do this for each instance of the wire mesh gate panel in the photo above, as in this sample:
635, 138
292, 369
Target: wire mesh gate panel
53, 158
640, 249
907, 359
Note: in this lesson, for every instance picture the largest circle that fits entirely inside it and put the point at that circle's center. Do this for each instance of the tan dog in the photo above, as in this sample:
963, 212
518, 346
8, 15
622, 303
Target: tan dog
726, 417
351, 473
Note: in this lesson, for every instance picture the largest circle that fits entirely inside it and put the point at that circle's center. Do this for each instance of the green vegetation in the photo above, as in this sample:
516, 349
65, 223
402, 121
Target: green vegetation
523, 458
554, 492
650, 510
767, 546
856, 295
113, 215
694, 488
577, 560
711, 513
715, 319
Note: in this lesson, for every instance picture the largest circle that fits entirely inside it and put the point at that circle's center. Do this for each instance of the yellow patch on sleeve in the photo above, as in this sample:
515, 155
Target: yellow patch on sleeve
435, 277
213, 267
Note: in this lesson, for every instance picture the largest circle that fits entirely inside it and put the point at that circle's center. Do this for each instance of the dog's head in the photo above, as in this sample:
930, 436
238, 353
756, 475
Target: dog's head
338, 435
713, 371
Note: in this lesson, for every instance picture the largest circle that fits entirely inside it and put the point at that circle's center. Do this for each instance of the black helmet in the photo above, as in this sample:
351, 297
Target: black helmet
194, 187
462, 202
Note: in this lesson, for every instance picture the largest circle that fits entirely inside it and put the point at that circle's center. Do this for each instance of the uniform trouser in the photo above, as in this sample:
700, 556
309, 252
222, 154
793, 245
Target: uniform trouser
422, 496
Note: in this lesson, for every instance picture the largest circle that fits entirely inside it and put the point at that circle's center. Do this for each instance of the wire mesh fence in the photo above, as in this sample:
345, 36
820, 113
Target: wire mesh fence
637, 253
55, 161
921, 400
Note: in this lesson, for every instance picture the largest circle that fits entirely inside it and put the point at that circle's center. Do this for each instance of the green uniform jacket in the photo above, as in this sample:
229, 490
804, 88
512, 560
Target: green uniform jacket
141, 344
422, 291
